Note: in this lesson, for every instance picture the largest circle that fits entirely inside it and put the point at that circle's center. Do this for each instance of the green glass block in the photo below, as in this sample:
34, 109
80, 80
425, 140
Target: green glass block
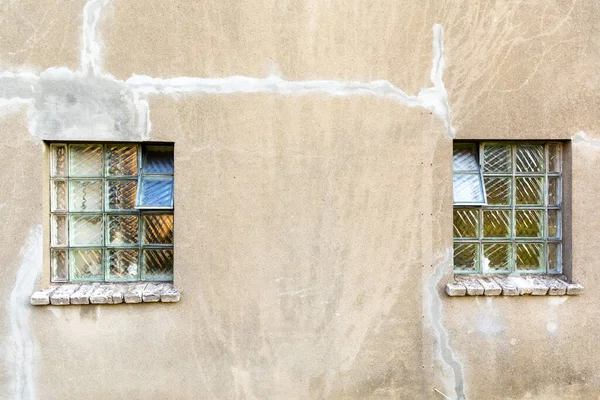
59, 160
554, 157
86, 264
529, 190
59, 233
497, 158
158, 229
529, 223
158, 264
85, 195
121, 194
554, 258
85, 160
466, 257
553, 224
122, 229
59, 265
496, 223
85, 230
553, 191
59, 195
121, 160
529, 257
530, 158
466, 222
465, 157
498, 190
496, 257
122, 264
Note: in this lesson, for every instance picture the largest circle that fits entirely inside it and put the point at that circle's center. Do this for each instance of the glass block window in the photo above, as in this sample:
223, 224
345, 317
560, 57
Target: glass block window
517, 226
100, 229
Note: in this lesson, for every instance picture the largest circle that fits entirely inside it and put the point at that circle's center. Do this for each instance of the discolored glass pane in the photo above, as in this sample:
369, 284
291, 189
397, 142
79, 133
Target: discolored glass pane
466, 223
467, 188
497, 190
59, 262
529, 256
85, 230
59, 160
158, 264
466, 256
156, 192
530, 158
465, 157
122, 264
85, 195
496, 257
85, 160
553, 224
86, 264
553, 191
158, 229
554, 157
529, 190
121, 194
59, 195
497, 158
158, 160
121, 160
59, 236
496, 223
554, 258
528, 223
122, 229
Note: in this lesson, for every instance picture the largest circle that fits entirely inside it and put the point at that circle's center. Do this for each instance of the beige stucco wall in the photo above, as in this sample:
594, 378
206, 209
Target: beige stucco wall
313, 228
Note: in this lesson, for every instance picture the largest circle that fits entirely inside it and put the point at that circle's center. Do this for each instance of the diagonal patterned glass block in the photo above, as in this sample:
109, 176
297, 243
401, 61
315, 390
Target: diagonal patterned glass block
156, 192
467, 188
122, 229
553, 224
85, 230
158, 160
121, 194
554, 157
497, 190
529, 223
59, 263
158, 229
530, 158
496, 223
497, 158
86, 264
496, 257
466, 257
59, 195
553, 191
529, 257
158, 264
466, 222
85, 160
554, 258
85, 195
59, 160
59, 236
122, 264
529, 190
121, 160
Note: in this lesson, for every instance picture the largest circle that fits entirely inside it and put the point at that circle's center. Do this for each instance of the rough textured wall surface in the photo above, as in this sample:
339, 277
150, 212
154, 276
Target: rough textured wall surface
313, 195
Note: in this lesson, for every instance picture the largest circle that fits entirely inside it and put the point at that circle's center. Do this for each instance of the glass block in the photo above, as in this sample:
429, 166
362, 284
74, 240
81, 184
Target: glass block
59, 234
554, 157
467, 188
86, 264
156, 192
122, 229
121, 160
85, 195
529, 257
158, 264
554, 258
497, 190
496, 223
553, 224
529, 190
59, 160
85, 160
496, 257
85, 230
497, 158
158, 160
529, 223
553, 191
158, 229
59, 263
466, 256
530, 158
59, 195
122, 264
121, 194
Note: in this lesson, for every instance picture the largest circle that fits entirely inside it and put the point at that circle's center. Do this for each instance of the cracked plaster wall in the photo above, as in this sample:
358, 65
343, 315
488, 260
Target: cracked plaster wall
313, 194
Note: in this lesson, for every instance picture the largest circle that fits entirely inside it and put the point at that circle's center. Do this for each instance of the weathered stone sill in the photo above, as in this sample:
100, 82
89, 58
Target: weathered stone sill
105, 293
509, 285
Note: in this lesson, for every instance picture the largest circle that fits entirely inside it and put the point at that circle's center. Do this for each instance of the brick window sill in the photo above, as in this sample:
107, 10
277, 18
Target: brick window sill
106, 293
508, 285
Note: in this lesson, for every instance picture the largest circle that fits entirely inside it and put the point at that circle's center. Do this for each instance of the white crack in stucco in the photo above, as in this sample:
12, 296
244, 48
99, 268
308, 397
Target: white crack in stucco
91, 46
583, 137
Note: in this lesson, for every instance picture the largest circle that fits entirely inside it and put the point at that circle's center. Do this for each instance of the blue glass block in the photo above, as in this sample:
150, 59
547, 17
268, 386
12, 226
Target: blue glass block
156, 192
158, 160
